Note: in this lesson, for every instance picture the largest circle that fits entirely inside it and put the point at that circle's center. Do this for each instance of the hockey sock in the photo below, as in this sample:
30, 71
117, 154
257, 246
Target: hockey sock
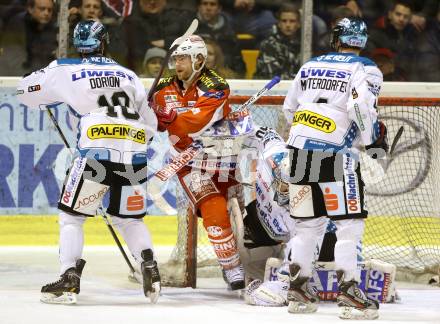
71, 239
135, 234
217, 224
349, 233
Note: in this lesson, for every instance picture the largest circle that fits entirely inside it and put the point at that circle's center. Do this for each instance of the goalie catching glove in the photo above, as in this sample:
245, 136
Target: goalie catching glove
380, 143
165, 116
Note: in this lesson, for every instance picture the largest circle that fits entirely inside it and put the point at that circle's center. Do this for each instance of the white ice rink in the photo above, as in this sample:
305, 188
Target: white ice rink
108, 297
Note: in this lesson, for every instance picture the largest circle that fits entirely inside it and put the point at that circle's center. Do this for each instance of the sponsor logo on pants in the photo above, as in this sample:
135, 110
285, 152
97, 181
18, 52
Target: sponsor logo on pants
352, 193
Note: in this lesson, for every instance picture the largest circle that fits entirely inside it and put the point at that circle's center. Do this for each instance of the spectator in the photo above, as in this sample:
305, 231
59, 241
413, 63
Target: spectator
87, 9
428, 52
384, 59
322, 45
214, 24
215, 60
397, 34
280, 52
29, 39
152, 24
423, 11
152, 62
324, 9
12, 39
248, 17
41, 34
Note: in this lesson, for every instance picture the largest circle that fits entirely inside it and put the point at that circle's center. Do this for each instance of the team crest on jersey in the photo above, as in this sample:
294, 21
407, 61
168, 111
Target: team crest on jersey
373, 88
314, 120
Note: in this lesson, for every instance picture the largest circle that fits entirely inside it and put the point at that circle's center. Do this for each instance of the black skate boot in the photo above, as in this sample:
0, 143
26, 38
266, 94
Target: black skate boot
150, 275
353, 304
235, 277
302, 297
65, 290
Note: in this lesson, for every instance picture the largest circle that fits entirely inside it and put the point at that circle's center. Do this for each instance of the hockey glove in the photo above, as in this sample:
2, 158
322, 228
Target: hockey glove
165, 116
380, 143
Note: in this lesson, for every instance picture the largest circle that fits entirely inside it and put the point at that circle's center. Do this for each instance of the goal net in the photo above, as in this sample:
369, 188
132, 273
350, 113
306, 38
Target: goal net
403, 226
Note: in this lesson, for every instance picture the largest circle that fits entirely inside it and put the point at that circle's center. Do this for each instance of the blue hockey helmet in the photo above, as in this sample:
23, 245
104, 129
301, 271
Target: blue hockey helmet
351, 32
89, 35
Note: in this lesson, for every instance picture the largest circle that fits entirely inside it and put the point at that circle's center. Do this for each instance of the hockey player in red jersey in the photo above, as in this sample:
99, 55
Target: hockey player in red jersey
188, 104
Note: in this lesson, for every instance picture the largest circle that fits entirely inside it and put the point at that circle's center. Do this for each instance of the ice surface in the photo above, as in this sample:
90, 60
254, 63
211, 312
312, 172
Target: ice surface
108, 297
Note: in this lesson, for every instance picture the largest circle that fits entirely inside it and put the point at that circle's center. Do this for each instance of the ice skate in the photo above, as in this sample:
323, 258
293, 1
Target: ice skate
65, 290
302, 297
150, 275
235, 277
353, 304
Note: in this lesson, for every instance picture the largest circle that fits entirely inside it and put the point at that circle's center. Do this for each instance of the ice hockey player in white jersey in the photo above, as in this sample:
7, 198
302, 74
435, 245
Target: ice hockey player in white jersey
115, 127
331, 106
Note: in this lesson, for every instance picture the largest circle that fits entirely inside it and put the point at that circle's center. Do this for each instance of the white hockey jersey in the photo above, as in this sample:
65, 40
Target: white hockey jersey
331, 104
275, 219
115, 120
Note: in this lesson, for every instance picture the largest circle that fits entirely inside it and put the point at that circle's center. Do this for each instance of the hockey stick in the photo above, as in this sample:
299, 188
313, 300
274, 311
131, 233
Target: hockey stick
101, 211
191, 29
196, 148
396, 139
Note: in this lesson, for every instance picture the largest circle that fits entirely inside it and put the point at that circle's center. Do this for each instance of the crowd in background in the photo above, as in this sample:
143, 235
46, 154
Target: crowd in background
404, 35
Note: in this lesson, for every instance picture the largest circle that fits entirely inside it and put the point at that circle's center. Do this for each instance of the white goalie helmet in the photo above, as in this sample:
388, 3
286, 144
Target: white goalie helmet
193, 46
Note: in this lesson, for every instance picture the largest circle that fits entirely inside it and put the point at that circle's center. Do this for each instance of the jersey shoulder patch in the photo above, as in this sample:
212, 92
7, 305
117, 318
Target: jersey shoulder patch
210, 80
164, 82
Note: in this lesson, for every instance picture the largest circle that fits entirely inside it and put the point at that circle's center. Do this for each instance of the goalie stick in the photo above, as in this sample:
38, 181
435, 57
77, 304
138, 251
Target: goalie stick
196, 147
101, 211
191, 29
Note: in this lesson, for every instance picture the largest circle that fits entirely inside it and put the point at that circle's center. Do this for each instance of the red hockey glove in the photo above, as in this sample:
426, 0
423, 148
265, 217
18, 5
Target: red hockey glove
165, 116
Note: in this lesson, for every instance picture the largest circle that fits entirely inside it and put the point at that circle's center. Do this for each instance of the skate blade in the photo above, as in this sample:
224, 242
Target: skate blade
296, 307
347, 312
154, 293
67, 298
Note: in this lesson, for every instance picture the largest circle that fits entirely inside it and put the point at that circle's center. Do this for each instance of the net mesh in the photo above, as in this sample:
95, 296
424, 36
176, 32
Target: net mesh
403, 226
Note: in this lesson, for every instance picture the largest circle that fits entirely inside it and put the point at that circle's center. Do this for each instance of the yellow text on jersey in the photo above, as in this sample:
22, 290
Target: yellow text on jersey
314, 120
116, 131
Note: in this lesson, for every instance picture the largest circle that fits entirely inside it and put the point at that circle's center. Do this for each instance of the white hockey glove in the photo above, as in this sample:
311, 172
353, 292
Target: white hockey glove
273, 291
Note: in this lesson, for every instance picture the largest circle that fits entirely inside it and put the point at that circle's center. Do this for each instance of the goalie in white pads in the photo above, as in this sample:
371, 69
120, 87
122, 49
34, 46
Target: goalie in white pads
115, 127
332, 107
